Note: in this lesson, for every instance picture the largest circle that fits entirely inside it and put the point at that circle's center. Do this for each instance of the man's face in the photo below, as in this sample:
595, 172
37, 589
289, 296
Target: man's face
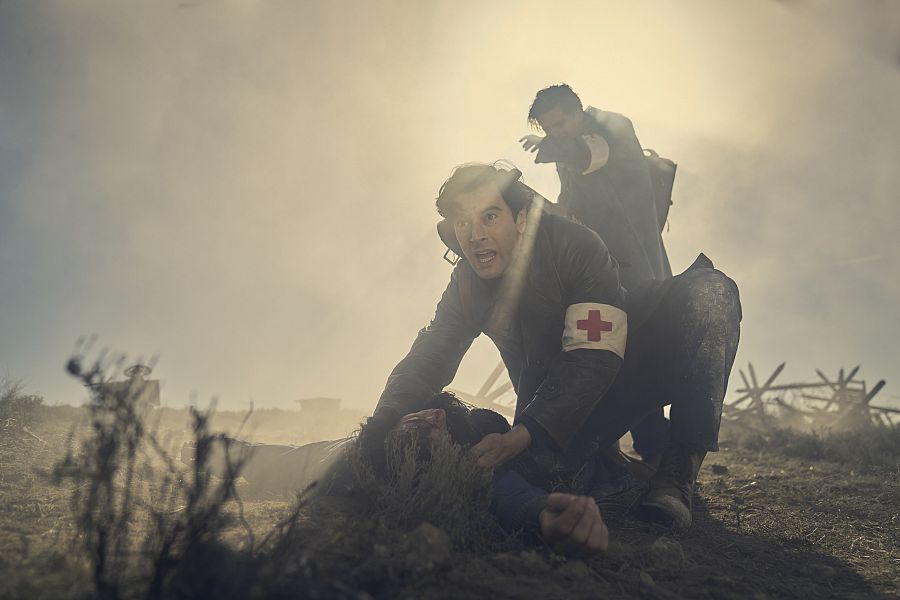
559, 124
487, 231
423, 425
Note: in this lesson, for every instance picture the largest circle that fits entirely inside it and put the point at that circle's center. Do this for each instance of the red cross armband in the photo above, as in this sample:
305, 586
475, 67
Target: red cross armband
595, 327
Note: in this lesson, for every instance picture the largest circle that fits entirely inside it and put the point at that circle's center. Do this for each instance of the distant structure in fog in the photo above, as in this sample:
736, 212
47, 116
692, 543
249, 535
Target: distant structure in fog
323, 418
145, 392
320, 404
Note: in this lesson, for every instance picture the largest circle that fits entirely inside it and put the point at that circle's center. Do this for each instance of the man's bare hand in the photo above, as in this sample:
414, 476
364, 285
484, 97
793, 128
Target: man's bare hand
530, 143
572, 525
494, 449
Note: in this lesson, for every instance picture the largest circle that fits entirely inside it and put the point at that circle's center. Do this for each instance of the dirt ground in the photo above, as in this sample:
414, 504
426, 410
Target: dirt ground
766, 526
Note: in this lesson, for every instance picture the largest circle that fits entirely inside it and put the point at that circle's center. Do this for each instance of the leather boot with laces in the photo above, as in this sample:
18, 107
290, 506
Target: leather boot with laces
669, 499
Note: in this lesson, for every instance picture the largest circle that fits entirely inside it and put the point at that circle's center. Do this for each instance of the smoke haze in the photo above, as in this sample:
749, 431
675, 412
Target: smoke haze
247, 189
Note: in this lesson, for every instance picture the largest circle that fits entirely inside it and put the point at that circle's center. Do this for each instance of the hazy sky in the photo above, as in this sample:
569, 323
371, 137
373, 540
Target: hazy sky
246, 189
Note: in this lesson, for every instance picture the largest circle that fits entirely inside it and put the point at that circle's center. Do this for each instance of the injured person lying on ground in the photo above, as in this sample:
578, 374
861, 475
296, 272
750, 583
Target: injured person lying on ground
547, 501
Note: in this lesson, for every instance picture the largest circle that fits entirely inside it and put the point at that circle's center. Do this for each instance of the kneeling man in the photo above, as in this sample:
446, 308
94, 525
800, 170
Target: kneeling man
587, 362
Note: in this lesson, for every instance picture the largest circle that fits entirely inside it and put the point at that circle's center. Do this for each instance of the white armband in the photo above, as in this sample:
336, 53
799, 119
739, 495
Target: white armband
595, 327
599, 150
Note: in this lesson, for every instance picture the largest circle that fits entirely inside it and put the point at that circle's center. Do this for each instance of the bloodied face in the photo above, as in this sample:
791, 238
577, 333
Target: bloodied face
429, 424
487, 230
444, 419
447, 416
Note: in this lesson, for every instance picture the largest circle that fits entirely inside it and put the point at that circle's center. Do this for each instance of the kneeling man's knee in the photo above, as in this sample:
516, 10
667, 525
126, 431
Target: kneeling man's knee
714, 295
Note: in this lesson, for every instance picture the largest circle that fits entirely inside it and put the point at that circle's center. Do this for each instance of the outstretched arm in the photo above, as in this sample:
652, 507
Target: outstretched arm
434, 358
584, 153
570, 524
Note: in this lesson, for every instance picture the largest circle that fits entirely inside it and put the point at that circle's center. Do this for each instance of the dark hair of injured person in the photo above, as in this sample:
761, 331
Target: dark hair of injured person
442, 415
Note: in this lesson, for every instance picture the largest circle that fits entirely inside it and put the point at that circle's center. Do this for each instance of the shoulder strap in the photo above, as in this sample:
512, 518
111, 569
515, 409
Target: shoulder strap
466, 300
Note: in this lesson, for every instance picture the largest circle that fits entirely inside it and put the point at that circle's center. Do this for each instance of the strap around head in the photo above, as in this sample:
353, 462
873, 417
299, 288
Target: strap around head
509, 176
448, 236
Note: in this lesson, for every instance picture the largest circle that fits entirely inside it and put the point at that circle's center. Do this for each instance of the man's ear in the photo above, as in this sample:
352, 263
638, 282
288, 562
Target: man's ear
520, 220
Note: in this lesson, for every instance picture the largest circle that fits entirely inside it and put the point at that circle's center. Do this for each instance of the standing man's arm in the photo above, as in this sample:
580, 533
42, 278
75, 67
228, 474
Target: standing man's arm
585, 154
434, 358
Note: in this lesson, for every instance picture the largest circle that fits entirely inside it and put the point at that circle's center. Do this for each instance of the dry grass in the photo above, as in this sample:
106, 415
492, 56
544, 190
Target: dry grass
869, 449
781, 515
449, 491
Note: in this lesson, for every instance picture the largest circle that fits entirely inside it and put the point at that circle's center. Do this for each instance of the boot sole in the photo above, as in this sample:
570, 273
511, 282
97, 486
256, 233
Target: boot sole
666, 511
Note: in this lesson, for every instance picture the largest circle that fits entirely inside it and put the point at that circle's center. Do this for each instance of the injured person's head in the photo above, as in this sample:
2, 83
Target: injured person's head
444, 417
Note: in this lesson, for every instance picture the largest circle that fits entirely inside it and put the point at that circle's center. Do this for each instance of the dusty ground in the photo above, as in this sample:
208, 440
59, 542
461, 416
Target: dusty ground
766, 526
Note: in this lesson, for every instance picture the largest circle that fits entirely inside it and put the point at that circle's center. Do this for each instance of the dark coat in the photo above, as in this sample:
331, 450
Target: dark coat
617, 200
556, 389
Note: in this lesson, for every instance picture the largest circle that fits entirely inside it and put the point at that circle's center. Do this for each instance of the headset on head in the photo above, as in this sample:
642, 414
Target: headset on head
509, 181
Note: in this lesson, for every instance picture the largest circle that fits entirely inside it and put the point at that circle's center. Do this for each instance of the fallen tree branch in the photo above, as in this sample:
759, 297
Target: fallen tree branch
32, 434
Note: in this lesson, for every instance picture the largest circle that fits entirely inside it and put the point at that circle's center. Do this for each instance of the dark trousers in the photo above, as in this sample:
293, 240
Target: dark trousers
650, 435
680, 353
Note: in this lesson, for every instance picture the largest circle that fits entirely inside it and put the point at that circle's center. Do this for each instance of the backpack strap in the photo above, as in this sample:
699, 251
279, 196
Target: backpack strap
466, 298
662, 179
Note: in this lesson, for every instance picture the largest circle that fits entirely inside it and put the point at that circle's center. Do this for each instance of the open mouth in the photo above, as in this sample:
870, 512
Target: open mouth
485, 257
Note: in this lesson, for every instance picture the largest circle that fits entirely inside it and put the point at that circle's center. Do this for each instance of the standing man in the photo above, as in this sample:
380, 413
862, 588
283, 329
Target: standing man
605, 184
546, 291
604, 179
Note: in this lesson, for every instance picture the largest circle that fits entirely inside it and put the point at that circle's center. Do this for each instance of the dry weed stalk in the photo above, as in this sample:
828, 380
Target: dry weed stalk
143, 521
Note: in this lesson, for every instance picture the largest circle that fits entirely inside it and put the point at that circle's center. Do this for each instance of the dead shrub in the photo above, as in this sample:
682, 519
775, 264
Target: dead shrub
449, 490
18, 409
149, 528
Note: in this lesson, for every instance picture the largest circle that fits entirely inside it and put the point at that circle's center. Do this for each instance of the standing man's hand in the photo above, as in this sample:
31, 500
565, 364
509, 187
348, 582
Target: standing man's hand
530, 143
572, 525
494, 449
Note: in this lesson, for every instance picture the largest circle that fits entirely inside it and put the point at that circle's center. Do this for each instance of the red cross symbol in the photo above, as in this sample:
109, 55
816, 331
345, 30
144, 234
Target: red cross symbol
594, 325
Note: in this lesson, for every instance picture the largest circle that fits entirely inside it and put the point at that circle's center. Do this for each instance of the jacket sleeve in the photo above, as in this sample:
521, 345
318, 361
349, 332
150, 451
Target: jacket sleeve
434, 358
593, 339
517, 504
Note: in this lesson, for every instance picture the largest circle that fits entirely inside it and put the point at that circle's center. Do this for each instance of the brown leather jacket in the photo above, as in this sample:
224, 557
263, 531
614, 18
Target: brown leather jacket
556, 389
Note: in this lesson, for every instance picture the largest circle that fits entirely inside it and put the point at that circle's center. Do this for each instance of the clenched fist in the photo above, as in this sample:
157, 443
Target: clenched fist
572, 525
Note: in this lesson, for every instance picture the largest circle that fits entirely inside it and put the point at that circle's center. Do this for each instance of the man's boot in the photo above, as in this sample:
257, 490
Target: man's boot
669, 499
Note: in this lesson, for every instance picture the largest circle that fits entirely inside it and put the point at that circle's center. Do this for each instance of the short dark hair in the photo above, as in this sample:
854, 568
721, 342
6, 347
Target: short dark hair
555, 95
468, 177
